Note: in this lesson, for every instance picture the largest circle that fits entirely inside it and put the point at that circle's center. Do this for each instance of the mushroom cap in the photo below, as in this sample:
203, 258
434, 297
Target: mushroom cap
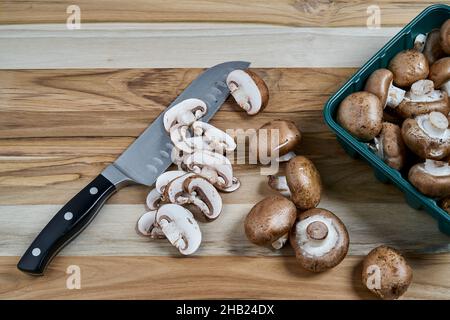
391, 146
411, 107
440, 72
320, 240
421, 143
361, 114
253, 94
433, 50
270, 219
289, 136
432, 178
185, 112
395, 275
409, 66
304, 182
445, 36
378, 83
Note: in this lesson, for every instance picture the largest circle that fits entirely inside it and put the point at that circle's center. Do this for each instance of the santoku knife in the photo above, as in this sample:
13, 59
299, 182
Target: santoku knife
144, 160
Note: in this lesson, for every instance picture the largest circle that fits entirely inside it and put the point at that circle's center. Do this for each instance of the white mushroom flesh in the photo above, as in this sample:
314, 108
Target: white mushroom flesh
446, 87
184, 113
379, 151
279, 183
175, 191
436, 168
153, 199
286, 157
164, 179
280, 242
216, 138
316, 248
419, 42
395, 96
245, 91
146, 225
434, 125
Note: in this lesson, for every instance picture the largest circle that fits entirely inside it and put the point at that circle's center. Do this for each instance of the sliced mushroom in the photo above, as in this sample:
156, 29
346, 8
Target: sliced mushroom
249, 90
289, 136
380, 84
432, 178
445, 36
179, 227
423, 99
269, 221
320, 240
433, 50
302, 183
390, 147
386, 273
204, 196
215, 138
440, 74
153, 199
183, 141
184, 113
214, 167
146, 226
427, 135
164, 179
361, 114
174, 191
409, 66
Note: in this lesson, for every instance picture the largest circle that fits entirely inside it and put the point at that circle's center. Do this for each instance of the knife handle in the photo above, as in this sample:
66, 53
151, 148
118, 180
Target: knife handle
66, 225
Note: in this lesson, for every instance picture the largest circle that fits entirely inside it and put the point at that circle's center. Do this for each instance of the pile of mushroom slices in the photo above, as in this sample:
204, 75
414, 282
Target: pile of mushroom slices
181, 197
403, 113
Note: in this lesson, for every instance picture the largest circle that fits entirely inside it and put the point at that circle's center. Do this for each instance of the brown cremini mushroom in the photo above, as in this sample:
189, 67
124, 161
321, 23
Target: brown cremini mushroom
432, 178
390, 147
445, 204
249, 90
380, 84
269, 221
301, 183
440, 74
427, 135
433, 50
386, 273
320, 240
409, 66
445, 36
361, 114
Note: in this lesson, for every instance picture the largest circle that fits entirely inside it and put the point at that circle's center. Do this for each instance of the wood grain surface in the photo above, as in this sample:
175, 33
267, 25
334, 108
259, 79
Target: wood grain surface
280, 12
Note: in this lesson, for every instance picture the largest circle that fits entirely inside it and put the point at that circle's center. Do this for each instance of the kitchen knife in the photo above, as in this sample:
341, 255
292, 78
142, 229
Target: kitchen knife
144, 160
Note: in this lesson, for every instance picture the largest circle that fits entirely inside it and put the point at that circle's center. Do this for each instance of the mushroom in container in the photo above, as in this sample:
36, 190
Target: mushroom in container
409, 66
445, 36
269, 221
320, 240
380, 84
386, 273
432, 49
389, 146
440, 74
431, 177
361, 114
249, 90
289, 136
301, 183
427, 135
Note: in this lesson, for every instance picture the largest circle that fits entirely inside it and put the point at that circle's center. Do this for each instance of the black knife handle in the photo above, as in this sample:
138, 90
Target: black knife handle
66, 225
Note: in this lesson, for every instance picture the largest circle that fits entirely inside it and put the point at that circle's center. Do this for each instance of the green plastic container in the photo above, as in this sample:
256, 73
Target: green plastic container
432, 17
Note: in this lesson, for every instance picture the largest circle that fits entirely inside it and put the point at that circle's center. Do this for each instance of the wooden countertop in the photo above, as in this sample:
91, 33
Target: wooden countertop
72, 100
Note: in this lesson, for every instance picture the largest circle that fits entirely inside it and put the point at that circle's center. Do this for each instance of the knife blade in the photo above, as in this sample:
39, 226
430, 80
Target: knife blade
141, 163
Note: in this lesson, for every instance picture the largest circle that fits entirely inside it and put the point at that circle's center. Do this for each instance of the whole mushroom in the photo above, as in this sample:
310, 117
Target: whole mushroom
249, 90
302, 183
269, 221
427, 135
386, 273
409, 66
320, 240
361, 114
440, 74
433, 50
380, 84
445, 36
289, 136
390, 147
431, 177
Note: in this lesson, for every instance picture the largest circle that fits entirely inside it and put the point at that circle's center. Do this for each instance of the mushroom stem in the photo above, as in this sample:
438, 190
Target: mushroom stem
288, 156
437, 168
317, 230
419, 42
172, 233
242, 98
395, 96
434, 125
446, 87
280, 242
279, 183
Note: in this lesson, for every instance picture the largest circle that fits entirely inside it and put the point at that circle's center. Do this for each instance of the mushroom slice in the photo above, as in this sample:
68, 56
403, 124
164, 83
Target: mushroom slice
302, 183
203, 195
380, 84
181, 138
433, 50
390, 147
422, 99
427, 135
215, 138
184, 113
320, 240
146, 226
432, 178
445, 36
179, 227
386, 273
269, 221
440, 74
249, 90
174, 191
153, 199
409, 66
215, 167
361, 114
164, 179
